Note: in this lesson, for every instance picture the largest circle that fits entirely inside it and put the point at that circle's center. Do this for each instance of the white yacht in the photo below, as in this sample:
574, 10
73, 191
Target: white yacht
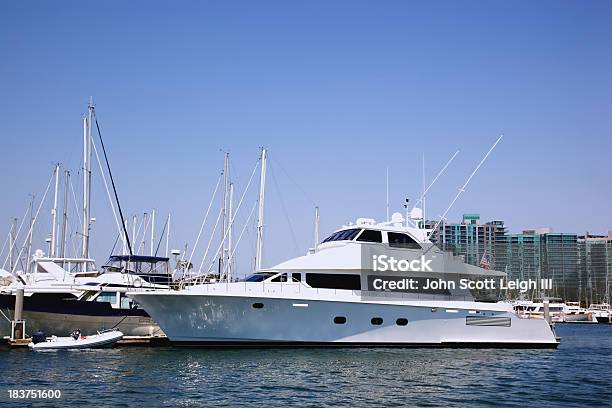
535, 310
63, 294
332, 296
575, 313
601, 313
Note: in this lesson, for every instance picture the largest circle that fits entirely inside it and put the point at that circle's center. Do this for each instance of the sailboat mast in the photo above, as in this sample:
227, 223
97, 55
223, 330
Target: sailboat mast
224, 222
152, 231
134, 237
168, 236
145, 225
65, 214
13, 238
230, 232
30, 235
52, 251
260, 216
87, 121
125, 227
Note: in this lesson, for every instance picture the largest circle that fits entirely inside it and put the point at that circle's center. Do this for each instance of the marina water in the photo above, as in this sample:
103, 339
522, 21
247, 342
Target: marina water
576, 374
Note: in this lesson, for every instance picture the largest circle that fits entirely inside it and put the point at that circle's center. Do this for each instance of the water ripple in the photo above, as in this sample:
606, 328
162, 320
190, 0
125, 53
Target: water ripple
577, 374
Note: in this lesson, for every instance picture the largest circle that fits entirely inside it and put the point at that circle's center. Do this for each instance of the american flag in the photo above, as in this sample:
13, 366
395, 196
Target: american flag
484, 262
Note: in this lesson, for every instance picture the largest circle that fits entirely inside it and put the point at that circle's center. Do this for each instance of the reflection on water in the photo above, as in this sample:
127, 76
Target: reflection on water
578, 373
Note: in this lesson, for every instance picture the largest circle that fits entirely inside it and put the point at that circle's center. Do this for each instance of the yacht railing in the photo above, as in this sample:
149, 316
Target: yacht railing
202, 284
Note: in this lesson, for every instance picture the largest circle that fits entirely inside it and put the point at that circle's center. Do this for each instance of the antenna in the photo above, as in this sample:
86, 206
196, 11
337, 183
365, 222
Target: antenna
423, 195
435, 179
316, 231
462, 188
387, 196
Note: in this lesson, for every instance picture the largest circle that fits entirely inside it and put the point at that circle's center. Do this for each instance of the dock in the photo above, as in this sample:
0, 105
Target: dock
127, 341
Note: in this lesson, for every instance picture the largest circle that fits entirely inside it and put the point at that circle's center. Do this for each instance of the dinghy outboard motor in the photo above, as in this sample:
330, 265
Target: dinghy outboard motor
39, 337
76, 334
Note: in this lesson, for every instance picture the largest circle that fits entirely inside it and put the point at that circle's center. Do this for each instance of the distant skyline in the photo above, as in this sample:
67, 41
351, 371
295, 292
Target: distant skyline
337, 91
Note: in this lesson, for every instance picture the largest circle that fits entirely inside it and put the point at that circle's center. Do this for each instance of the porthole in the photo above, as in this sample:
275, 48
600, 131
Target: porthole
401, 321
257, 305
339, 319
376, 321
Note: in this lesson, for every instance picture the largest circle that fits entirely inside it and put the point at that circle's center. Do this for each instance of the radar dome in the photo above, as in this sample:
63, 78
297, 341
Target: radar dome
416, 214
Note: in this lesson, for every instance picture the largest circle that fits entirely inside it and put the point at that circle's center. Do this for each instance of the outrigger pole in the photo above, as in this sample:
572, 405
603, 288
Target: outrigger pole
462, 190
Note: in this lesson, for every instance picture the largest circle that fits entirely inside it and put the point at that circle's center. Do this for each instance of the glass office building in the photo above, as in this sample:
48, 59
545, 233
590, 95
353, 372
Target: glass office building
532, 254
595, 267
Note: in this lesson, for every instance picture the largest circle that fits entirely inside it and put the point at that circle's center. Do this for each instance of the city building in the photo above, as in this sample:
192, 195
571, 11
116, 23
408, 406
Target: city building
477, 243
595, 266
533, 254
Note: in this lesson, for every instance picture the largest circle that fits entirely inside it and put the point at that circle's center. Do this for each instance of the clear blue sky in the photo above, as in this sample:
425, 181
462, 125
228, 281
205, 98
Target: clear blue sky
336, 90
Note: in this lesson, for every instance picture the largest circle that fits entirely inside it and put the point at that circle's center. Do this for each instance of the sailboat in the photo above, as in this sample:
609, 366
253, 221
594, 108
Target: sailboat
64, 293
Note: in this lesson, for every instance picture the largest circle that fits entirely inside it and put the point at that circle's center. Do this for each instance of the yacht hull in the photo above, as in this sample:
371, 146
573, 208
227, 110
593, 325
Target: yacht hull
63, 324
222, 321
578, 317
60, 315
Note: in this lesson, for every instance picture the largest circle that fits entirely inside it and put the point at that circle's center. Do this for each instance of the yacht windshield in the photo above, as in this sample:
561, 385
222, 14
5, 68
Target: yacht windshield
259, 277
344, 235
137, 264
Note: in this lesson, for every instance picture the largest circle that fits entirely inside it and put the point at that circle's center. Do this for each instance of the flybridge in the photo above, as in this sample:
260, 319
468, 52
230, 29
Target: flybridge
393, 233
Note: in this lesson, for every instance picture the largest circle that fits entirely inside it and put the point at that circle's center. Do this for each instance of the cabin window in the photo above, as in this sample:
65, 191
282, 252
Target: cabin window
296, 277
280, 278
344, 235
370, 236
339, 319
398, 240
376, 321
401, 321
334, 281
126, 302
109, 297
257, 305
